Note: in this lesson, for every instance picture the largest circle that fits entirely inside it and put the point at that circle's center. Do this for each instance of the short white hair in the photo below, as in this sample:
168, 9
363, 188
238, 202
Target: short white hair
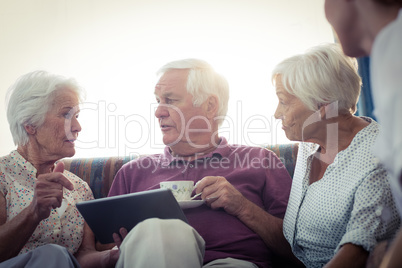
30, 98
322, 75
202, 82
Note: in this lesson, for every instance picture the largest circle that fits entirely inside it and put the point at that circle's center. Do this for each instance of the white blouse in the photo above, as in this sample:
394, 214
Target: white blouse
65, 225
351, 203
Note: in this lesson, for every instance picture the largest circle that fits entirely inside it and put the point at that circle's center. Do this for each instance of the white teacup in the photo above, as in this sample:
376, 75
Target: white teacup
181, 189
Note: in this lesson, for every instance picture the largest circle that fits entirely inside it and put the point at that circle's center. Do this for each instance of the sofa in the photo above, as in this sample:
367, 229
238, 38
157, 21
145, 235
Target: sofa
99, 172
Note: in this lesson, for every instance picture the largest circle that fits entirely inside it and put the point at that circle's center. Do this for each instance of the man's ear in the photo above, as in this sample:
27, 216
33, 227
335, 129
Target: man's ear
31, 130
212, 104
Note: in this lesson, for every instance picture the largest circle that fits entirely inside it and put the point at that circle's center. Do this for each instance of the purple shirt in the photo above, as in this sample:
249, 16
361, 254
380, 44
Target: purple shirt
256, 172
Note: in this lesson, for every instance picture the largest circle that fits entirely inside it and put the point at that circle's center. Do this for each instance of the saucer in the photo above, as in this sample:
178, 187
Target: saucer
190, 203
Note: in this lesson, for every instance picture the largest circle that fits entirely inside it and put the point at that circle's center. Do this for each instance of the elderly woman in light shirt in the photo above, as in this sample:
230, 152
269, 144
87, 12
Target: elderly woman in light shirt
40, 224
340, 204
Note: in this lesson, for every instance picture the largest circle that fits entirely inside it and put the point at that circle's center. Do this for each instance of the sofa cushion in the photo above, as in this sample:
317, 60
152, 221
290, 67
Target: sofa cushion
98, 172
287, 153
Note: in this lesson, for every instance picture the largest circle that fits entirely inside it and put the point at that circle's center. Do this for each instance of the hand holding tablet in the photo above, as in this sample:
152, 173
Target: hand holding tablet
106, 216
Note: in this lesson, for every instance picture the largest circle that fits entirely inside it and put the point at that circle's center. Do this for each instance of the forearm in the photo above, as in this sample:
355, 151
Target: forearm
95, 259
269, 228
393, 257
89, 257
15, 233
349, 255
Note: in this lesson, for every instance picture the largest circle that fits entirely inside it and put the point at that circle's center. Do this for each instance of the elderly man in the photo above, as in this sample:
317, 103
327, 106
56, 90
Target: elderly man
245, 189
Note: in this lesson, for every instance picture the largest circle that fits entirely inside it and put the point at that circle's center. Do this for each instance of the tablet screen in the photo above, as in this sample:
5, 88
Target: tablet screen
106, 216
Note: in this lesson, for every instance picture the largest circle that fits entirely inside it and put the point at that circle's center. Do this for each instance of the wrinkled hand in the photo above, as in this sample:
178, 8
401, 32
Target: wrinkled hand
114, 254
219, 193
118, 239
49, 191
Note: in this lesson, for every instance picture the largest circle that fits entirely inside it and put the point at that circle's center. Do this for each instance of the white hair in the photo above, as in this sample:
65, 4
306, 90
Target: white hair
323, 75
202, 82
30, 98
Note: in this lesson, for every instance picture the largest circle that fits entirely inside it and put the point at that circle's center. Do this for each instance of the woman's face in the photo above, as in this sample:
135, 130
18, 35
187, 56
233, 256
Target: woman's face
292, 112
56, 136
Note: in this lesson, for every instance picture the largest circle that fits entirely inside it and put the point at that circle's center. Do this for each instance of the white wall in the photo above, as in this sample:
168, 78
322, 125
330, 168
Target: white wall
113, 49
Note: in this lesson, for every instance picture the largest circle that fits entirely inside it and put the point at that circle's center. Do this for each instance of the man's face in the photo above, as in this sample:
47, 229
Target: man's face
348, 25
181, 123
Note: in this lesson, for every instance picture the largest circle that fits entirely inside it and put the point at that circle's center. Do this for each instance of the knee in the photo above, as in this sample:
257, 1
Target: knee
171, 225
168, 230
52, 255
161, 229
53, 250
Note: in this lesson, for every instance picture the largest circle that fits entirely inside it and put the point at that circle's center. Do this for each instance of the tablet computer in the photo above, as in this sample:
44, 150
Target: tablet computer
106, 216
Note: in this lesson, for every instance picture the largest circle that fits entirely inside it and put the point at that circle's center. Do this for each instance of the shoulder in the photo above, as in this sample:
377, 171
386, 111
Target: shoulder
372, 127
3, 165
5, 160
366, 137
360, 153
7, 166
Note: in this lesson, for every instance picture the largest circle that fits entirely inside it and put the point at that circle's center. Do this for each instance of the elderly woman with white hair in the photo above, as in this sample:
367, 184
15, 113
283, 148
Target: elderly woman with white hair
340, 204
40, 225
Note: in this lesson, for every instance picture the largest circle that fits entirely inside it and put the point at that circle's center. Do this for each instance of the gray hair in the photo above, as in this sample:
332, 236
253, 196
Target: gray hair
30, 98
202, 82
322, 75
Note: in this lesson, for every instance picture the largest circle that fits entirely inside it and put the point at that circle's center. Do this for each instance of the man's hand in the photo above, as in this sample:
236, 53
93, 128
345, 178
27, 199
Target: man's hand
219, 193
49, 191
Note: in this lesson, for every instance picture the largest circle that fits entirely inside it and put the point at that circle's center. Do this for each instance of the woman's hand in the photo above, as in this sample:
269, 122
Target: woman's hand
49, 192
114, 253
118, 239
89, 257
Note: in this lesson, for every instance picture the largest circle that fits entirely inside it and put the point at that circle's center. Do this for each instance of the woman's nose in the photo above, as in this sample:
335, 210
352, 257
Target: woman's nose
75, 125
278, 113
